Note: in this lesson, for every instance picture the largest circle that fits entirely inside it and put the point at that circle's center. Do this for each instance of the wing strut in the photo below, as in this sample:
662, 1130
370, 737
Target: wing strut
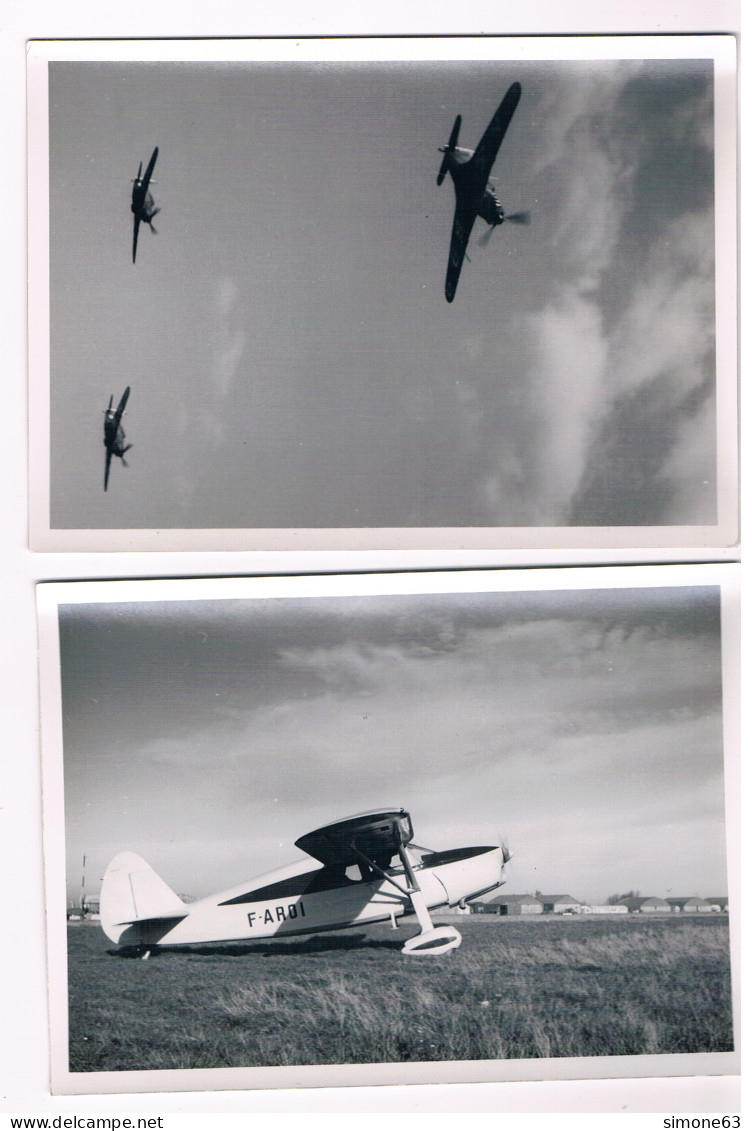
431, 940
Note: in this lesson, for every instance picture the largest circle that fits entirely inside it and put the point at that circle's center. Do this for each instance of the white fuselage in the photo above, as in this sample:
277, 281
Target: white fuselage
300, 899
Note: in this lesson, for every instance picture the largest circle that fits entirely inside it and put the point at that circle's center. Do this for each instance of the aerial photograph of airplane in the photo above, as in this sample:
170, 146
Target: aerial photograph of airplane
114, 433
470, 170
142, 202
369, 871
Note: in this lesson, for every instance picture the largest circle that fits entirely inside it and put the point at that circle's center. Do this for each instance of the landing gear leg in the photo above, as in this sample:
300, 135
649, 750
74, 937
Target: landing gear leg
431, 940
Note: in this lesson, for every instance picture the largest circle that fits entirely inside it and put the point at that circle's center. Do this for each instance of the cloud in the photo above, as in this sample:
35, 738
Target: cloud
625, 191
689, 468
229, 341
568, 108
668, 329
554, 728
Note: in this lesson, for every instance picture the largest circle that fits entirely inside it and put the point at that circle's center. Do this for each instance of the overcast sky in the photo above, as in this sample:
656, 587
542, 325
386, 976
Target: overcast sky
292, 359
583, 726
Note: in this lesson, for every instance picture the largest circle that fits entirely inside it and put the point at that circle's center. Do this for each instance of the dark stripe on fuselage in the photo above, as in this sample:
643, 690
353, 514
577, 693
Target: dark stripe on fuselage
322, 879
435, 859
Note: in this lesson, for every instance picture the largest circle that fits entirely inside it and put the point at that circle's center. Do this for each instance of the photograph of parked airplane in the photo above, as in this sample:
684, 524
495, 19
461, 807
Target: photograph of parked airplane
204, 724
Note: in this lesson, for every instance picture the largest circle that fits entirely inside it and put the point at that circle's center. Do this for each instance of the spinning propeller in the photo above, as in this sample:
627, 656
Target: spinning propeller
449, 148
511, 218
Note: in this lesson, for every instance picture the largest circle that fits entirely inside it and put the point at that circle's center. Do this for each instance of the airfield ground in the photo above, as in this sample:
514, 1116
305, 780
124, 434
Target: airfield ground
514, 989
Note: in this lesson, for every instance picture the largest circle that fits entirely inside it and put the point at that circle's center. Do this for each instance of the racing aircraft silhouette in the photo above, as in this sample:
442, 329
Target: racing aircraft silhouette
142, 202
114, 434
474, 192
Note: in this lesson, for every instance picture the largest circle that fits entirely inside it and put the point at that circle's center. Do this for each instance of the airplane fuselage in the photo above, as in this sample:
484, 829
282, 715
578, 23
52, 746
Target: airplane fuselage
299, 899
142, 204
486, 203
114, 434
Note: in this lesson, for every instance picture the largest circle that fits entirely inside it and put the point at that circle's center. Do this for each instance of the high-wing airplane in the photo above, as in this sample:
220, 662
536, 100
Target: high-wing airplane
368, 871
475, 194
114, 433
142, 202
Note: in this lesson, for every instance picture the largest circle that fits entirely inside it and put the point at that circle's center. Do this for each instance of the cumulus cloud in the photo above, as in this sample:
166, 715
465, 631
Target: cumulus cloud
537, 724
668, 329
585, 354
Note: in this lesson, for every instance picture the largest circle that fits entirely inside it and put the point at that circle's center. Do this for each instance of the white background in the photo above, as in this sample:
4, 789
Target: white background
23, 1051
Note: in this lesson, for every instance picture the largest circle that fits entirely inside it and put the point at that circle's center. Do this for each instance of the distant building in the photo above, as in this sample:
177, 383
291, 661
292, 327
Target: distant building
643, 904
607, 909
691, 904
718, 902
561, 905
508, 905
87, 909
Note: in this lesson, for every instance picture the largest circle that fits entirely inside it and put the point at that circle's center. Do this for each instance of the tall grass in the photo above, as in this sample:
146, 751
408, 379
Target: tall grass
513, 990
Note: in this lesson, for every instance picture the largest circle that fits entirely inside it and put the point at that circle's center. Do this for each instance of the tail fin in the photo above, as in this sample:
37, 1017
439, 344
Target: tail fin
132, 892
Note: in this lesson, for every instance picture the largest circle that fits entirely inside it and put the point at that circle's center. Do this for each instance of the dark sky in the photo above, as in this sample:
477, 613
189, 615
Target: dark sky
584, 726
293, 362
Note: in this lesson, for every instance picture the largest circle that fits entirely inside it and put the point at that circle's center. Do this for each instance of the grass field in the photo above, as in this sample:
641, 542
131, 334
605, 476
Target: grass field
514, 989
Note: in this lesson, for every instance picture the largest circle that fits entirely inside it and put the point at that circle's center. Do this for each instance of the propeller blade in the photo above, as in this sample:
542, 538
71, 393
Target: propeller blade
483, 241
518, 218
503, 843
450, 147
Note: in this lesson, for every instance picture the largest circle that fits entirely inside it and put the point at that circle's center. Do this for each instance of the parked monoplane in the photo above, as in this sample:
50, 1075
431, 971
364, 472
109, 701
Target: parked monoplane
368, 871
470, 171
114, 434
142, 202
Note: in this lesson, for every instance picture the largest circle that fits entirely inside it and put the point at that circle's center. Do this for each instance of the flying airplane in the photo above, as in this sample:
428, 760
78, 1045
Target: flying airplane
368, 871
474, 192
142, 202
114, 433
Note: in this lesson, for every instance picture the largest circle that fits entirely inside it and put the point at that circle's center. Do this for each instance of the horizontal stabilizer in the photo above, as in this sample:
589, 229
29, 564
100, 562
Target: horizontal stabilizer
133, 892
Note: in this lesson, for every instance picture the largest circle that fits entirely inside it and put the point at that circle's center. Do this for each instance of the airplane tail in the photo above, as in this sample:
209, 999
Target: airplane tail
132, 893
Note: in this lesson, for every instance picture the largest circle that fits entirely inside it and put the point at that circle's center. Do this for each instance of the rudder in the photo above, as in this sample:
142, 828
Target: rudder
132, 892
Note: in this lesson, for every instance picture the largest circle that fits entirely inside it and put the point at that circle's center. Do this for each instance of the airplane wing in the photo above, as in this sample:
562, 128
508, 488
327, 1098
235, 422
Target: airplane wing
121, 407
375, 835
150, 170
107, 461
485, 155
136, 223
464, 218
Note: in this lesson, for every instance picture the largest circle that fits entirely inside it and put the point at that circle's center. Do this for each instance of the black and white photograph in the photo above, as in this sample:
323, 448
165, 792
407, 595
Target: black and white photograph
389, 829
431, 293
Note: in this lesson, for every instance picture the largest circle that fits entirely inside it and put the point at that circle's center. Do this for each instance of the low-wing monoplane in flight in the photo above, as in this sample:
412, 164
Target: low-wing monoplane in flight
368, 871
114, 433
475, 194
142, 202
